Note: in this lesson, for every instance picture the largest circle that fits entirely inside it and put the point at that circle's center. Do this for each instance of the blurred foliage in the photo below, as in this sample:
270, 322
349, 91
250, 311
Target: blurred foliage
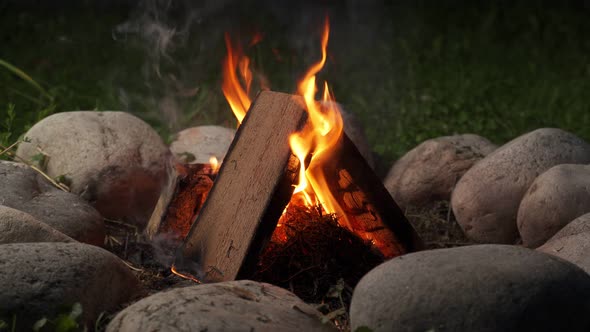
494, 71
497, 69
65, 320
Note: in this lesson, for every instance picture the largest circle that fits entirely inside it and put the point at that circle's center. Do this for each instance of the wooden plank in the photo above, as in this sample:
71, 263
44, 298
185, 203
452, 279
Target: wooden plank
371, 212
181, 200
253, 186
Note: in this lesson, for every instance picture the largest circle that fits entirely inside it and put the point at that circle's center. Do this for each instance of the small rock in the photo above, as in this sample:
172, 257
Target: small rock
112, 159
486, 199
197, 144
24, 189
228, 306
429, 172
572, 243
17, 226
38, 279
555, 198
473, 288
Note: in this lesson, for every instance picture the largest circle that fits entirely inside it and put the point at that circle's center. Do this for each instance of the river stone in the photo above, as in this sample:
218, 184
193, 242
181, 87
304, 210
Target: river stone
429, 172
572, 243
18, 226
555, 198
486, 199
242, 305
37, 279
197, 145
24, 189
473, 288
577, 226
112, 159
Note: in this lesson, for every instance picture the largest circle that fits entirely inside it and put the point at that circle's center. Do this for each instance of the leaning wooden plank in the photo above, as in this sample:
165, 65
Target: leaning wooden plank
253, 186
369, 210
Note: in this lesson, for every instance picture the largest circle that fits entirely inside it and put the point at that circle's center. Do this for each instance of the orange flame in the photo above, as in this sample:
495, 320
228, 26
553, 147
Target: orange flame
236, 96
315, 140
257, 38
215, 164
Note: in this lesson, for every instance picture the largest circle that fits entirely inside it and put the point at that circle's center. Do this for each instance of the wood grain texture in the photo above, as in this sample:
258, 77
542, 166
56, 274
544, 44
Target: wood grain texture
180, 201
166, 196
371, 211
253, 187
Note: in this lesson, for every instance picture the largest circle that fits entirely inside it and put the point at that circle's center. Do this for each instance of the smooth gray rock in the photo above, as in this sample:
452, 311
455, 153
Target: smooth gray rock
577, 226
429, 172
36, 279
486, 199
197, 145
24, 189
572, 243
473, 288
112, 159
227, 306
19, 227
555, 198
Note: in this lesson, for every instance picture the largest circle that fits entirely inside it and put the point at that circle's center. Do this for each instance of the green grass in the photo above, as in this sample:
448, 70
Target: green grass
426, 72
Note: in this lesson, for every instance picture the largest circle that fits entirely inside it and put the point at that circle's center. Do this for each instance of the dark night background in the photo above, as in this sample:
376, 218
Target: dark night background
409, 70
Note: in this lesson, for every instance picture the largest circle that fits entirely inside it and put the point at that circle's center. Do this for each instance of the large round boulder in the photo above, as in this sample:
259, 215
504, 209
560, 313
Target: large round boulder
228, 306
486, 199
22, 188
572, 243
473, 288
555, 198
17, 226
112, 159
197, 145
429, 172
39, 279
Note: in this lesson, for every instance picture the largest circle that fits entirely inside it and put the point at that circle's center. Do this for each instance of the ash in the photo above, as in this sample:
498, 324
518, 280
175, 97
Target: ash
149, 260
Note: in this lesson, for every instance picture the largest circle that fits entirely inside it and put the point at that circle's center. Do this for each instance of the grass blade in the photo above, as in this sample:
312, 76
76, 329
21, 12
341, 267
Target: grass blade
13, 69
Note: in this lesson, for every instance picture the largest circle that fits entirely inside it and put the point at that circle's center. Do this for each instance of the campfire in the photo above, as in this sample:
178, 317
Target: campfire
293, 201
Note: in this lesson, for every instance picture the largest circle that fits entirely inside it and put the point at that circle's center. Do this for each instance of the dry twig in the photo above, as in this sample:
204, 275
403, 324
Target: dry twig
8, 152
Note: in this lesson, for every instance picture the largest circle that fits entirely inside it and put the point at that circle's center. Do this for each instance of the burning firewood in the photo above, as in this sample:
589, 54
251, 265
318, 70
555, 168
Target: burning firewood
256, 182
368, 209
288, 149
254, 185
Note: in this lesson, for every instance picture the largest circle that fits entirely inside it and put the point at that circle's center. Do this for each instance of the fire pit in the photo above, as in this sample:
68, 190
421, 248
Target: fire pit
293, 197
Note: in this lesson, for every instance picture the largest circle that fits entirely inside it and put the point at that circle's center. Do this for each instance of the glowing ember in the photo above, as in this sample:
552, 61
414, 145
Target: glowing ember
185, 276
314, 146
236, 95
